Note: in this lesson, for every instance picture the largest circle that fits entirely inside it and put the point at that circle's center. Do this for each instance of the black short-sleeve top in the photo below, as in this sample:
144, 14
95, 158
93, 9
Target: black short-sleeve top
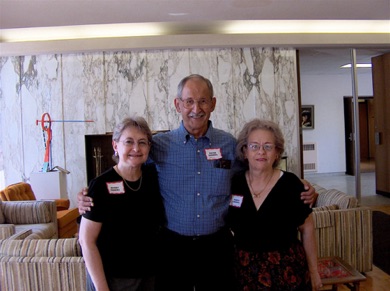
130, 221
275, 224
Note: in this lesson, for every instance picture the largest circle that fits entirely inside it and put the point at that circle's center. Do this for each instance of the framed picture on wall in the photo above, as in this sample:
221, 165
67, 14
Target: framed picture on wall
307, 116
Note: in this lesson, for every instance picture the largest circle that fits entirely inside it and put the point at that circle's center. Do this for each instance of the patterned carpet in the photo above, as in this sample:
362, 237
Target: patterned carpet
381, 240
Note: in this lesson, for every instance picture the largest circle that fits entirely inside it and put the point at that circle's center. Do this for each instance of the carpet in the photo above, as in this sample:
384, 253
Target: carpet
381, 240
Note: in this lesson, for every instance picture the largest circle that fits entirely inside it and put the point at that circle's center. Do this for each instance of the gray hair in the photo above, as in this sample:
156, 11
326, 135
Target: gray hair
133, 121
249, 127
194, 76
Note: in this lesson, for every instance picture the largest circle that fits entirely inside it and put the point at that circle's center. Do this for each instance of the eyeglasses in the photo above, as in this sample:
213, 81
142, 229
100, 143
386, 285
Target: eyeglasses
131, 143
254, 147
190, 103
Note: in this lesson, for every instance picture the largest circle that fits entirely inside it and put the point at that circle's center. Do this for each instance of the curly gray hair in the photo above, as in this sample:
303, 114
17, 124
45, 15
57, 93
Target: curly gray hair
249, 127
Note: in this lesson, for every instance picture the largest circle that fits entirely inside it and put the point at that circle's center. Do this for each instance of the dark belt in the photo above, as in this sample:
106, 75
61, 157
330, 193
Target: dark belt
172, 234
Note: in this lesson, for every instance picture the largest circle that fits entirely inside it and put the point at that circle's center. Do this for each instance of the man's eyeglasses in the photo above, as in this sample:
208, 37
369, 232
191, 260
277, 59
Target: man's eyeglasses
190, 103
131, 143
254, 147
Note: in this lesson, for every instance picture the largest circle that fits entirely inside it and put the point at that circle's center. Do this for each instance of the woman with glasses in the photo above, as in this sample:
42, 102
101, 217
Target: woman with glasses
119, 235
265, 215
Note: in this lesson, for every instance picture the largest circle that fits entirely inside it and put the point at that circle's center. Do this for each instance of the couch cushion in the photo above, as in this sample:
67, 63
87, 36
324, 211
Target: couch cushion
41, 248
25, 213
18, 191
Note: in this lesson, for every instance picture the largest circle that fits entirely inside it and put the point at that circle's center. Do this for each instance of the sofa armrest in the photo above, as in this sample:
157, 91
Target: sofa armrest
29, 212
346, 233
336, 197
21, 235
320, 190
6, 230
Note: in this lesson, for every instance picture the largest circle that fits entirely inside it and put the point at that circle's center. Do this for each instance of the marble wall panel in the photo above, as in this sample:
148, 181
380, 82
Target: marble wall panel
165, 69
125, 85
84, 100
41, 86
11, 112
216, 65
106, 86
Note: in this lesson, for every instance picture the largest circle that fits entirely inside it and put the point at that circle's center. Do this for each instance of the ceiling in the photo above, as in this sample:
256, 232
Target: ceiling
196, 18
40, 13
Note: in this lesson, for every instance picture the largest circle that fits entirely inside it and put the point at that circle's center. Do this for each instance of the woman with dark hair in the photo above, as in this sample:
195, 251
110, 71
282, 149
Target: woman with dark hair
119, 235
265, 215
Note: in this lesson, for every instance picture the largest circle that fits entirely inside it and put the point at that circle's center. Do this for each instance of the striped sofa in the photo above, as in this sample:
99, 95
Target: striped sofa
41, 264
343, 228
66, 218
28, 219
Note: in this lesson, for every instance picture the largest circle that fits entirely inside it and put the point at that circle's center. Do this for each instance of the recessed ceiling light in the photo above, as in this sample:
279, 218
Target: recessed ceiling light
357, 66
178, 13
180, 27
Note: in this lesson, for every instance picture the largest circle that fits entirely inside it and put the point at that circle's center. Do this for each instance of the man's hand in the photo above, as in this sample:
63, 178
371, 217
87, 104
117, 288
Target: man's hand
309, 196
84, 202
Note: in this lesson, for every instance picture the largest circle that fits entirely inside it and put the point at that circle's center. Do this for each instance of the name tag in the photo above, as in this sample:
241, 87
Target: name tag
236, 200
213, 154
116, 187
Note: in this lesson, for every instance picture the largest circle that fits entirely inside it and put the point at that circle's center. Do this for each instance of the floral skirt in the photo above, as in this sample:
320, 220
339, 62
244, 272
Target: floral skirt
274, 270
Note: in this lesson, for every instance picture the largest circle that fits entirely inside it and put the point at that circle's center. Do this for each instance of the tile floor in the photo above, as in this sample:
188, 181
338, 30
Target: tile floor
347, 184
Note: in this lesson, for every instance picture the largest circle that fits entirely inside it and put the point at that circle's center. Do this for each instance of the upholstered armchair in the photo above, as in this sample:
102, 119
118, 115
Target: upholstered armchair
343, 228
66, 218
28, 219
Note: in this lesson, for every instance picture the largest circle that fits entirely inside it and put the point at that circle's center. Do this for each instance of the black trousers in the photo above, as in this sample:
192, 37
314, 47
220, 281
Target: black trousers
202, 263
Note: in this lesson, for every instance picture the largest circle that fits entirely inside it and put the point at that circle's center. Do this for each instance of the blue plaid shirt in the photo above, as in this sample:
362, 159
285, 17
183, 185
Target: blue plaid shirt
195, 190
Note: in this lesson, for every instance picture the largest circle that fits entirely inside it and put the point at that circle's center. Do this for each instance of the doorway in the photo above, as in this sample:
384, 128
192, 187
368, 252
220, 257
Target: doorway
366, 132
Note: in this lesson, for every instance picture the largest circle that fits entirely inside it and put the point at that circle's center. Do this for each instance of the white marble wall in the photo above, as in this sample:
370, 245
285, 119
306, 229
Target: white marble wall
105, 86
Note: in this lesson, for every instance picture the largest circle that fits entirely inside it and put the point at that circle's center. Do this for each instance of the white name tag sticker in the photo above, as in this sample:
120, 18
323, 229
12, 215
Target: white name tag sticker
213, 154
236, 200
116, 187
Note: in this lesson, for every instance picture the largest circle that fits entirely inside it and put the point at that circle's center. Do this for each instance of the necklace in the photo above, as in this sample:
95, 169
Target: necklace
139, 186
124, 180
257, 195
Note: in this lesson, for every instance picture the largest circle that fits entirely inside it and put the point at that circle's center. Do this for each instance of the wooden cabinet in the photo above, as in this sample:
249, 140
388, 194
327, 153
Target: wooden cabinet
98, 152
381, 88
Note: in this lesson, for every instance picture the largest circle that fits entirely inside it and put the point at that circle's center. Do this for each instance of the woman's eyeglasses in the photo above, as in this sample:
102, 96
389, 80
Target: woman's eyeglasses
131, 143
254, 147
